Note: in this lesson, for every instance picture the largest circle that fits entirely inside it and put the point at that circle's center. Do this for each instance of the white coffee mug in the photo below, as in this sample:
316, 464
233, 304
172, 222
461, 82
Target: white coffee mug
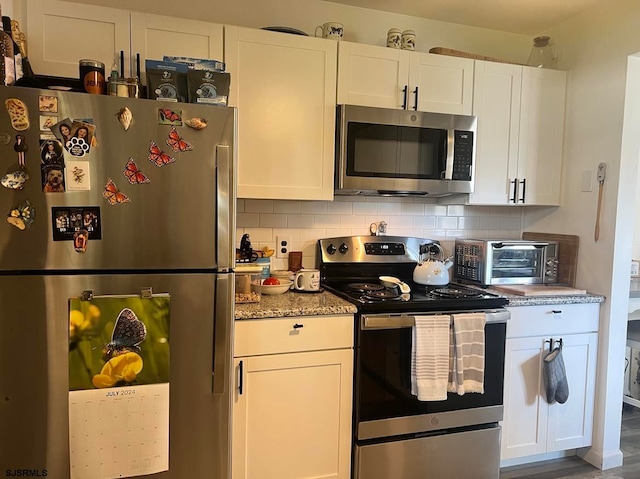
307, 280
332, 30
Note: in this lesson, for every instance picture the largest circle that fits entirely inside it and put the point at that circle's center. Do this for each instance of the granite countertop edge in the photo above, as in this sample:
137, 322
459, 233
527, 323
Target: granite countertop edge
294, 304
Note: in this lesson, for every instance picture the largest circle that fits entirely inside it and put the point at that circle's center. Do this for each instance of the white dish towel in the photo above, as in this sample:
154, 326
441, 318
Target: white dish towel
466, 356
430, 357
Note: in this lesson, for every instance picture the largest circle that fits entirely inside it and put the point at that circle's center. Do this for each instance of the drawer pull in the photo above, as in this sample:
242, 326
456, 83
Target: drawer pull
298, 326
556, 311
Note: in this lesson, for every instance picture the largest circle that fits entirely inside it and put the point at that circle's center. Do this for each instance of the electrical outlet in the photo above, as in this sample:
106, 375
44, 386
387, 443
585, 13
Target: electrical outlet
283, 245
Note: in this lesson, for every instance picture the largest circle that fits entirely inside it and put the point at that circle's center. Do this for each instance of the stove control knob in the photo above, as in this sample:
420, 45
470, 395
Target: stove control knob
343, 248
331, 249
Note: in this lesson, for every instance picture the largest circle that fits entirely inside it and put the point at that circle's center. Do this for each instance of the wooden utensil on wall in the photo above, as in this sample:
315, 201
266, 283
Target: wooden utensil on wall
568, 246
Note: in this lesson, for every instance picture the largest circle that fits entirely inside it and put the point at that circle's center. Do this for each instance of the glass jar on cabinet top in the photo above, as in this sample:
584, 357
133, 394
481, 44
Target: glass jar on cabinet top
543, 53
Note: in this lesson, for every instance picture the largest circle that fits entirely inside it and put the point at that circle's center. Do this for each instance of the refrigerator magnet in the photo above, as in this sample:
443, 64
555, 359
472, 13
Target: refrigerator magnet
196, 123
22, 216
157, 156
167, 116
82, 135
51, 152
5, 138
53, 178
78, 175
18, 114
15, 180
47, 121
176, 142
113, 194
48, 104
80, 240
67, 221
21, 148
125, 117
132, 173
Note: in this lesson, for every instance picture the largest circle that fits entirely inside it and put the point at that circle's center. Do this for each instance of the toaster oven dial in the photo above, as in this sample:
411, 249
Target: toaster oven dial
343, 248
331, 249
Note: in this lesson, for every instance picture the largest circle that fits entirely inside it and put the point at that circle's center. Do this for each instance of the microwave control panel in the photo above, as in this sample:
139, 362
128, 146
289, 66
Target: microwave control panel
462, 155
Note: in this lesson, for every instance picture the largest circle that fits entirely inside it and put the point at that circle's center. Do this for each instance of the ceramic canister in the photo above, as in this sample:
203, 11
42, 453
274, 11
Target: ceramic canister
394, 38
408, 40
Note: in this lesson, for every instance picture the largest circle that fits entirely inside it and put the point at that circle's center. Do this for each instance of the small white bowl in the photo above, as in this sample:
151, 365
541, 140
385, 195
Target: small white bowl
389, 281
283, 287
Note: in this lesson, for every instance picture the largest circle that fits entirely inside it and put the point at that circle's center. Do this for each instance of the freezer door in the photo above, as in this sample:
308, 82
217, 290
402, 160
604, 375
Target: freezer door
34, 378
182, 218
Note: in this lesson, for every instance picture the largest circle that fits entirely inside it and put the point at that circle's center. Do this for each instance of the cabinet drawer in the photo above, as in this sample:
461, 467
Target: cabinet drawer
292, 334
553, 319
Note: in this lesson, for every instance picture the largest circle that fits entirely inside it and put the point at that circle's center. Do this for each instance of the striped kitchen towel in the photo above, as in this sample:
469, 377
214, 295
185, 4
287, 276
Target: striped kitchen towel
430, 357
466, 354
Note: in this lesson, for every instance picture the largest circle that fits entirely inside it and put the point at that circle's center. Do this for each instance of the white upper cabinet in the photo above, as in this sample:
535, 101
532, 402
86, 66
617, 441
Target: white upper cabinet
520, 114
391, 78
285, 88
61, 33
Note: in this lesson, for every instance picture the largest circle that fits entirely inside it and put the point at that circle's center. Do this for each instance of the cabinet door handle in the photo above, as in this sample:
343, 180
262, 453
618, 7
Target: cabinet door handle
556, 311
415, 107
405, 91
524, 186
298, 326
240, 376
514, 182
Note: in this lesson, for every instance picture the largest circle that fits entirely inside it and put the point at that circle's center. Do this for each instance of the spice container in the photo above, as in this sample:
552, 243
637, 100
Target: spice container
248, 279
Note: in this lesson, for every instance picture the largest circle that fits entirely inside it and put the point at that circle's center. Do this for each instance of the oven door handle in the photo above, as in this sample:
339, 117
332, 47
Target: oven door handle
396, 321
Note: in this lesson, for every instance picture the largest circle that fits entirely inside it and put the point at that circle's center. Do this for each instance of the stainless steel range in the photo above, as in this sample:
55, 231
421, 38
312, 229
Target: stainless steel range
395, 434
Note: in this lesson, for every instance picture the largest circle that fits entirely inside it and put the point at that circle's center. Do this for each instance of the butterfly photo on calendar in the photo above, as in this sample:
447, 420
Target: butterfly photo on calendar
127, 334
133, 173
113, 195
176, 142
157, 156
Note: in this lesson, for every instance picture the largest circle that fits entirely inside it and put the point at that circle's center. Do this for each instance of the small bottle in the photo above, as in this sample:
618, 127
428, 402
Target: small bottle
6, 51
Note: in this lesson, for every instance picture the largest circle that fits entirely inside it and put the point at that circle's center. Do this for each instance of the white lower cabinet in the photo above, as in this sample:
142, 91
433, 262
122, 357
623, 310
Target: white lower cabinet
292, 398
531, 425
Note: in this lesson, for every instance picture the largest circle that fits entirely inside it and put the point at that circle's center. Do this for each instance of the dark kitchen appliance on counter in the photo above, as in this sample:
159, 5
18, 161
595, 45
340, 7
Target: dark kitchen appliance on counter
166, 230
395, 434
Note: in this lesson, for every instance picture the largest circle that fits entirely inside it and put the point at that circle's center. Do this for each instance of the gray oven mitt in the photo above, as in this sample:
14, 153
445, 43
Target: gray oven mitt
555, 377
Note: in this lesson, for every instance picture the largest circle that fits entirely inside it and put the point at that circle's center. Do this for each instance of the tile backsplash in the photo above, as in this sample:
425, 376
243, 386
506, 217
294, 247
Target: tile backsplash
307, 221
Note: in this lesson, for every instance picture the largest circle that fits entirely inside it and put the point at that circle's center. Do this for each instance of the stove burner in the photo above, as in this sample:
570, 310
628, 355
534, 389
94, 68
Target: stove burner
452, 292
365, 287
382, 294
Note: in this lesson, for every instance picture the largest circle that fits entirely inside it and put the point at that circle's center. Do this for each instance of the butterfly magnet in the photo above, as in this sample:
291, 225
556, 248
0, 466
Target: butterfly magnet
133, 174
167, 116
157, 156
113, 195
176, 142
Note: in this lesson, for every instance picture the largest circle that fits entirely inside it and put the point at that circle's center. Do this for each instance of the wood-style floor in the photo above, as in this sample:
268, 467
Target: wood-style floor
576, 468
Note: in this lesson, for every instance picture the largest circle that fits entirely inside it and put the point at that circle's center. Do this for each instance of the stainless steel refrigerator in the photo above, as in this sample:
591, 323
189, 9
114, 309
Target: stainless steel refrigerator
173, 234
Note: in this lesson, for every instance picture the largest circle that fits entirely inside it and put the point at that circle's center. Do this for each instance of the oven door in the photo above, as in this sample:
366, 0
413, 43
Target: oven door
384, 405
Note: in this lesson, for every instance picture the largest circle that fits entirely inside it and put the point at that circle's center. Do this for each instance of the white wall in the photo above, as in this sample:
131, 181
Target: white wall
595, 49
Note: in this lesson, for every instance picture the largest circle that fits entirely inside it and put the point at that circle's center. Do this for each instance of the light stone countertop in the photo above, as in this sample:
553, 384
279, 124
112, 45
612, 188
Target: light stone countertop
517, 300
294, 304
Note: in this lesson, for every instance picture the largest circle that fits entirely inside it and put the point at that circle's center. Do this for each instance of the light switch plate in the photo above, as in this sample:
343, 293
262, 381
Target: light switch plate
283, 245
586, 184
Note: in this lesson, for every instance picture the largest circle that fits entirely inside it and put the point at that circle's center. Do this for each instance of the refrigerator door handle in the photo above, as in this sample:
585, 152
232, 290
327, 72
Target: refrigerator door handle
225, 190
222, 332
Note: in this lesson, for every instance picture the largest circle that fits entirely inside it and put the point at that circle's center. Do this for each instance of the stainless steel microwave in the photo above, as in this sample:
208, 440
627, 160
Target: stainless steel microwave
382, 151
487, 262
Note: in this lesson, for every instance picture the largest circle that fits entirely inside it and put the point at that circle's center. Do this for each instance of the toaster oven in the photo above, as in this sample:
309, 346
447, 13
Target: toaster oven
491, 262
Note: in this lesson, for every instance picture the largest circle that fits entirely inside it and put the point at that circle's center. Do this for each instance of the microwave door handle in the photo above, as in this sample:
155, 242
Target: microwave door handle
447, 174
